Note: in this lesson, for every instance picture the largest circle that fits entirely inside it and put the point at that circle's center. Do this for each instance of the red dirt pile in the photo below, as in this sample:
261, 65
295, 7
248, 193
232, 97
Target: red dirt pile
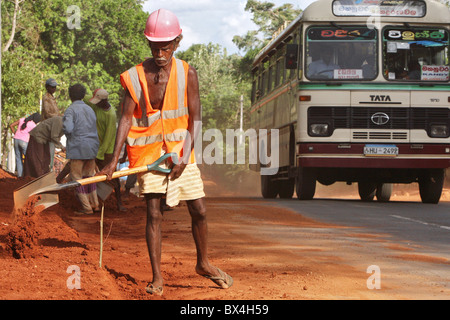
23, 235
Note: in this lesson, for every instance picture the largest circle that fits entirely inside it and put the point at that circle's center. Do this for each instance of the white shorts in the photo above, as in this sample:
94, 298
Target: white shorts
189, 186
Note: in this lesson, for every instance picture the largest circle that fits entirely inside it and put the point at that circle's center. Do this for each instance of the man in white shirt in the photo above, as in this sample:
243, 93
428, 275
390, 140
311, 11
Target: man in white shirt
324, 67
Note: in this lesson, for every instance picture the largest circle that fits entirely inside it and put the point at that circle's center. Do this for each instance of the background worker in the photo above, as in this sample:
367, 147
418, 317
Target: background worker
21, 130
142, 125
37, 157
50, 109
106, 130
49, 105
80, 128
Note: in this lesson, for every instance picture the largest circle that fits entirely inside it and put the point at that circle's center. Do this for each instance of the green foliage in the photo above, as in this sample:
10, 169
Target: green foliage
21, 82
268, 19
92, 75
221, 85
108, 40
48, 43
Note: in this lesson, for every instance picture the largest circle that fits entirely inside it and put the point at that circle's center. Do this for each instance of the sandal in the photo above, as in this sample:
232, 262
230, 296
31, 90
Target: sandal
224, 280
154, 290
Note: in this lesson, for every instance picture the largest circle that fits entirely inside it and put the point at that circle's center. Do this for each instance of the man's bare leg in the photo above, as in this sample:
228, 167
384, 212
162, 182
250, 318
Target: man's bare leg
153, 236
197, 211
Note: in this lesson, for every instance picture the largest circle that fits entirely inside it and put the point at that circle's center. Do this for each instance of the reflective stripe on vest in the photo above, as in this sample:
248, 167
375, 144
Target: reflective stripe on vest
149, 128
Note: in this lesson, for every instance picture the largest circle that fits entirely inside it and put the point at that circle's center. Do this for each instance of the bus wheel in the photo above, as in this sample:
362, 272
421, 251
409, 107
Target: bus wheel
430, 185
367, 190
269, 187
287, 188
306, 183
384, 192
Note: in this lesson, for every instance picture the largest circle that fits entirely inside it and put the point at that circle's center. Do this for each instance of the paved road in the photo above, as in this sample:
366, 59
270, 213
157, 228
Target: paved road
424, 224
408, 241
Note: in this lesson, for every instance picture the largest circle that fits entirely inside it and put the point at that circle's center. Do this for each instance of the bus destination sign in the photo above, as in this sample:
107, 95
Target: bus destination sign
379, 8
343, 33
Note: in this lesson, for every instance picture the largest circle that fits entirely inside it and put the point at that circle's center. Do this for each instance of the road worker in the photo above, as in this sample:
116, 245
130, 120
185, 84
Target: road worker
160, 106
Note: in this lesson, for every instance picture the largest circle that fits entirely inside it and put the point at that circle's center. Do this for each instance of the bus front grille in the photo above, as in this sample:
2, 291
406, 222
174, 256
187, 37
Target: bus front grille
388, 118
380, 135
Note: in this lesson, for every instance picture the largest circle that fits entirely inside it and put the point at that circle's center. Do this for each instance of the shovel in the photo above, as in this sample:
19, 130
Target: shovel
47, 187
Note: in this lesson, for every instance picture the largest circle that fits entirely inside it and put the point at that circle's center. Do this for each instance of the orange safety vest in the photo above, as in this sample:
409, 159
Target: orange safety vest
153, 129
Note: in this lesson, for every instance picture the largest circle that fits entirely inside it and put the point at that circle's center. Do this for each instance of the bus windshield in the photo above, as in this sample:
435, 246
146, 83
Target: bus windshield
341, 53
413, 54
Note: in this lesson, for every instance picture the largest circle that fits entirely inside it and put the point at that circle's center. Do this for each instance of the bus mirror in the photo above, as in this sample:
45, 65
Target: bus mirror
291, 56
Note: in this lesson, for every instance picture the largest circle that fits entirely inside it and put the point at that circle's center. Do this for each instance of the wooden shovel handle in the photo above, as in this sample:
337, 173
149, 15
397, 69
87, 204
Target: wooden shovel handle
117, 174
123, 173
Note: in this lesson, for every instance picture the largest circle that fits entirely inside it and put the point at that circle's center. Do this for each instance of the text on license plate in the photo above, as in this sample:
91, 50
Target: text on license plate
388, 150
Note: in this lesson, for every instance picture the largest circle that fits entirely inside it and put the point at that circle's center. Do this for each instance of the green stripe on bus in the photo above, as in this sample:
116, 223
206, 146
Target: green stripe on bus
372, 86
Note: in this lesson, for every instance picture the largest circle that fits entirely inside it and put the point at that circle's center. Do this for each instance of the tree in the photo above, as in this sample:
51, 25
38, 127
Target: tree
268, 19
43, 42
13, 24
221, 85
108, 40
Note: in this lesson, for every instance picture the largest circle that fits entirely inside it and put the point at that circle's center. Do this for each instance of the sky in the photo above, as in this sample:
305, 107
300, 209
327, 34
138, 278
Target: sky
213, 21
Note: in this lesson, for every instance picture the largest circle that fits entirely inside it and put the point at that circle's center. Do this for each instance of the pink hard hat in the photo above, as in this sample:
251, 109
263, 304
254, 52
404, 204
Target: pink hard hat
162, 25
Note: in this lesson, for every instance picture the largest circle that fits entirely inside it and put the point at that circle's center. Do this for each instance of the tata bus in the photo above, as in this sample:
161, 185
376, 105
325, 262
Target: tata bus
359, 93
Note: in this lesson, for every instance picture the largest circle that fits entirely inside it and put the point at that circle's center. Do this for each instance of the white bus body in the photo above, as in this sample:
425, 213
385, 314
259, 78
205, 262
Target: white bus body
359, 91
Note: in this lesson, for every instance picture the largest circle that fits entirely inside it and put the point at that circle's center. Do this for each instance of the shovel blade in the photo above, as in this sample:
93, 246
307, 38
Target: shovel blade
22, 194
103, 190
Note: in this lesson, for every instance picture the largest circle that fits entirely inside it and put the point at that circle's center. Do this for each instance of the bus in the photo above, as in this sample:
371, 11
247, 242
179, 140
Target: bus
359, 93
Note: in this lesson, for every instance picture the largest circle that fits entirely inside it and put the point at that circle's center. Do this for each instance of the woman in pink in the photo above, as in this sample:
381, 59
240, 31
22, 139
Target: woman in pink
21, 138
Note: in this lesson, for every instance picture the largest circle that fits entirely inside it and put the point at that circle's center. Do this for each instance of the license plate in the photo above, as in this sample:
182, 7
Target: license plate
377, 150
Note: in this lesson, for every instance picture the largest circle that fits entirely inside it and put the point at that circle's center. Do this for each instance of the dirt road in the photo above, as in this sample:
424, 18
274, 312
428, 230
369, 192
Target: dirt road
41, 253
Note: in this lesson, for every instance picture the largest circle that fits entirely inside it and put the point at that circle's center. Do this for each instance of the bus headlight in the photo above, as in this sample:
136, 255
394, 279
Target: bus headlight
439, 131
319, 130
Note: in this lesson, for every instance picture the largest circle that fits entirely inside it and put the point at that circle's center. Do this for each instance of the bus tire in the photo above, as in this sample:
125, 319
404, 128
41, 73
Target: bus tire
367, 190
269, 187
286, 190
306, 183
384, 192
430, 185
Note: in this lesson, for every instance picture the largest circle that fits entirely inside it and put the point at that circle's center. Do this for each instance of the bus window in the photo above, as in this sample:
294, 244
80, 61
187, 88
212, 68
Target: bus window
341, 53
254, 88
412, 54
283, 70
278, 74
263, 83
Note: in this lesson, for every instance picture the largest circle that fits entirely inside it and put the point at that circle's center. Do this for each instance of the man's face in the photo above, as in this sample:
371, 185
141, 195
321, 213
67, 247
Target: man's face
51, 89
162, 52
104, 104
